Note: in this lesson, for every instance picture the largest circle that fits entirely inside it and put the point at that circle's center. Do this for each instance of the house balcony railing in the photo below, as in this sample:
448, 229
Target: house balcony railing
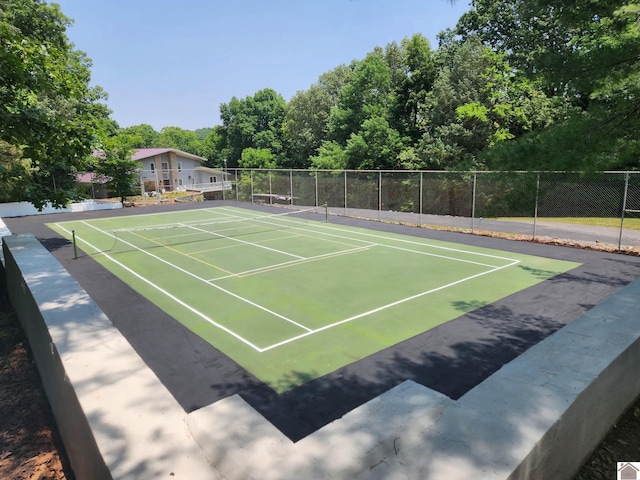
211, 187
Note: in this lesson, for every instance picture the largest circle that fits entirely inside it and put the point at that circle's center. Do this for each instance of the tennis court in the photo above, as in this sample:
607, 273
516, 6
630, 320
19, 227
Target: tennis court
291, 298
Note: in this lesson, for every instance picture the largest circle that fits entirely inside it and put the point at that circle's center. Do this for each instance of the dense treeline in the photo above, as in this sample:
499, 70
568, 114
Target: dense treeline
544, 84
518, 84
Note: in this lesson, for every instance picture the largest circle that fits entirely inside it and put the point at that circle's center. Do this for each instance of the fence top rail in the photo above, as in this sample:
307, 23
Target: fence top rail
518, 172
466, 172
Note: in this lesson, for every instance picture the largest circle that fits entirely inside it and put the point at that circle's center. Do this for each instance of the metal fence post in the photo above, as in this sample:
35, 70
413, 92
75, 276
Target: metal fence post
316, 178
380, 196
237, 190
251, 177
420, 202
624, 208
345, 192
473, 200
535, 206
291, 185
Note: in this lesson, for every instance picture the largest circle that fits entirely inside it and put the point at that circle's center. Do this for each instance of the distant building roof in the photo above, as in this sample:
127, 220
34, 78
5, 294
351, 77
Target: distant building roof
88, 177
142, 153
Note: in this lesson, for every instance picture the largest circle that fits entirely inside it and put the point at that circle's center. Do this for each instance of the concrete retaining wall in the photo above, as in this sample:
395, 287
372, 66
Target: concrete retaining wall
115, 417
30, 292
21, 209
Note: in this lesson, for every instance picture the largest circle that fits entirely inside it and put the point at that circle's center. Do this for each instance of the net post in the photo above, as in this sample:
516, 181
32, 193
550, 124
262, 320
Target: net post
75, 249
326, 212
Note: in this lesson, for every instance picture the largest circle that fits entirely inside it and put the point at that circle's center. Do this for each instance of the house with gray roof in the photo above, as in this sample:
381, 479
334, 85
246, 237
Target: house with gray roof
169, 169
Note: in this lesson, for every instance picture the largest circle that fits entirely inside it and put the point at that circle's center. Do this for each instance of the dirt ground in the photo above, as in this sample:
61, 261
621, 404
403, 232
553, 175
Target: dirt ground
30, 448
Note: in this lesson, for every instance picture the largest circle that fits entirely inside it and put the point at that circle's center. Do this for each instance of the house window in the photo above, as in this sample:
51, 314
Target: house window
179, 166
165, 166
212, 179
180, 182
153, 166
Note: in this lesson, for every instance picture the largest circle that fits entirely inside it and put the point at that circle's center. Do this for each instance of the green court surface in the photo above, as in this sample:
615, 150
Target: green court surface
292, 299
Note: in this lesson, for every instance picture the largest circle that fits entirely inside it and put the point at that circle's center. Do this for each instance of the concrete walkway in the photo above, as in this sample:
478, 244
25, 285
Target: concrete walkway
608, 235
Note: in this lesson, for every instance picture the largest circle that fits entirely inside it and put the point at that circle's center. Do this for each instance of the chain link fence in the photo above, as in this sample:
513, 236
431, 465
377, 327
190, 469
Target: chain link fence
602, 207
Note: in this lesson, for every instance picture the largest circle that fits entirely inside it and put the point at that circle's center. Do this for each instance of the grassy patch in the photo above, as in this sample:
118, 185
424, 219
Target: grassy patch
629, 223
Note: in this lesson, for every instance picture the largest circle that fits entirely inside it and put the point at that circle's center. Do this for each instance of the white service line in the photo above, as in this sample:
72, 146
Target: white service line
257, 245
446, 257
384, 307
293, 262
164, 292
245, 300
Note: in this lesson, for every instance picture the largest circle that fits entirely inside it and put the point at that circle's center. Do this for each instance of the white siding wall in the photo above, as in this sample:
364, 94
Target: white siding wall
185, 175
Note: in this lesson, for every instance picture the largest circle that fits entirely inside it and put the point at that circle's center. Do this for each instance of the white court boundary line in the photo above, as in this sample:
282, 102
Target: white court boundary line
187, 272
204, 222
164, 292
307, 330
384, 307
401, 240
364, 234
292, 263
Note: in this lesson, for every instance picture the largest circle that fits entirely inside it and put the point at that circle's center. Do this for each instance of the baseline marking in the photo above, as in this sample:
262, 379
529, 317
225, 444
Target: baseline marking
164, 292
384, 307
234, 295
393, 246
245, 242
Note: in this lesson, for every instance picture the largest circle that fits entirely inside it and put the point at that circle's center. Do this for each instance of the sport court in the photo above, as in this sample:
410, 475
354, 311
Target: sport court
292, 299
307, 319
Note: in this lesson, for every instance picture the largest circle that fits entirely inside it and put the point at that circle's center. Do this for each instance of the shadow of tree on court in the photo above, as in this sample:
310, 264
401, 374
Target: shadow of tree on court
450, 359
539, 273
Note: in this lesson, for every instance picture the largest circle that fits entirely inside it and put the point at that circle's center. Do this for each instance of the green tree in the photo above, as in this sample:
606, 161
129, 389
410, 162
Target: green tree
305, 124
254, 122
178, 138
213, 147
376, 146
478, 102
413, 89
115, 165
141, 136
331, 156
203, 133
13, 173
48, 108
585, 53
382, 97
366, 95
257, 158
334, 80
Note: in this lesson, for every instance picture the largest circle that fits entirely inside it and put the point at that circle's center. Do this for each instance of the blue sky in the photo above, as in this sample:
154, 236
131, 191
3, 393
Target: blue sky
173, 62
